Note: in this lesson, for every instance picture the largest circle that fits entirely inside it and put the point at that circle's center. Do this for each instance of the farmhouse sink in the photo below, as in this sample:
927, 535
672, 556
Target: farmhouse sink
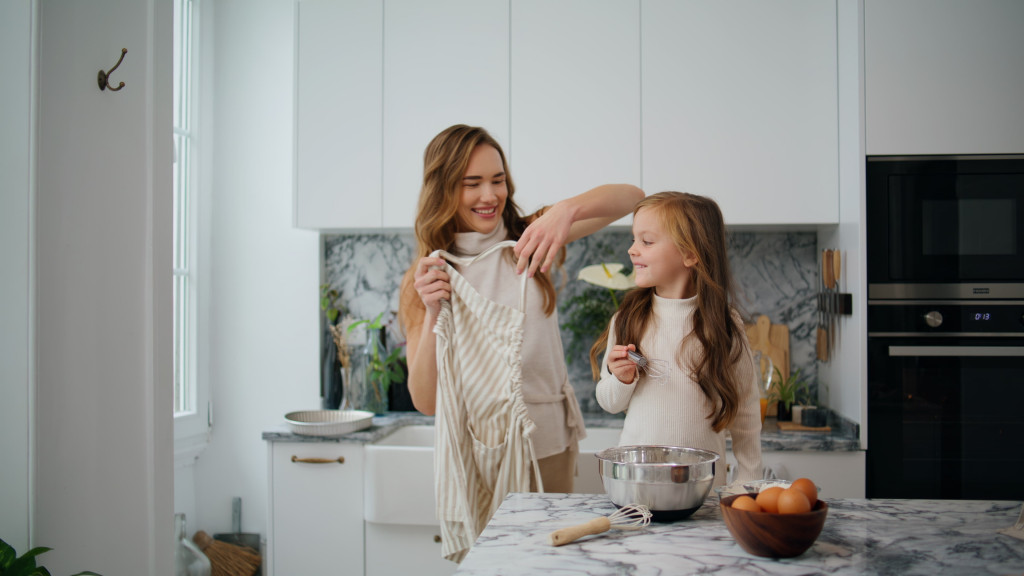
399, 479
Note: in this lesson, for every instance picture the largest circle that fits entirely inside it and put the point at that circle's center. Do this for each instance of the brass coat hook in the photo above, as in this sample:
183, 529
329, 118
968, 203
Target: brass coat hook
102, 77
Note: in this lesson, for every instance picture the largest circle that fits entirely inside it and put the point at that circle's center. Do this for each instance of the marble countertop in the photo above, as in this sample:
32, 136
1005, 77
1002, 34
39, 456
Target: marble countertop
925, 537
845, 435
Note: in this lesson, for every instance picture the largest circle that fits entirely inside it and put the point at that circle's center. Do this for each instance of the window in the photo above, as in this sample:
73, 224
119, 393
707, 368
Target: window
191, 416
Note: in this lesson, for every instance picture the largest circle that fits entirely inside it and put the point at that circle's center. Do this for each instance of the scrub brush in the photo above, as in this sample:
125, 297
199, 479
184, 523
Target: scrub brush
227, 559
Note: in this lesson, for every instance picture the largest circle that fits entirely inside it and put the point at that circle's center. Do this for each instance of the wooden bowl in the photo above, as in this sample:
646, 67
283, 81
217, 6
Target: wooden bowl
773, 535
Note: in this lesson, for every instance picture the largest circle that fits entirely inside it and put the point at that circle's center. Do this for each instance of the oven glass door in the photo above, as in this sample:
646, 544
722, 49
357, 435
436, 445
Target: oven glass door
955, 228
945, 418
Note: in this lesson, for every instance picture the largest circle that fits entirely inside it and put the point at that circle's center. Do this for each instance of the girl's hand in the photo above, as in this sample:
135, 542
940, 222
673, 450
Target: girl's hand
621, 366
432, 284
543, 238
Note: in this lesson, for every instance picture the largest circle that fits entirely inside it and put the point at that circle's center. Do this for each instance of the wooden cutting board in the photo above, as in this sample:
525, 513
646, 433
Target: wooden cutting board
793, 427
771, 340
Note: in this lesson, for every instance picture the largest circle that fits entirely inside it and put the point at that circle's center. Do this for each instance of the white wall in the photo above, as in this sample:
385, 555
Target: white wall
264, 310
16, 21
102, 490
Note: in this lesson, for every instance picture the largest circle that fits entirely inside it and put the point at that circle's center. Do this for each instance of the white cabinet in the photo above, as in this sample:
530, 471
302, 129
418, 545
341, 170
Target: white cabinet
405, 549
316, 508
575, 70
740, 104
839, 474
735, 99
445, 63
944, 76
337, 163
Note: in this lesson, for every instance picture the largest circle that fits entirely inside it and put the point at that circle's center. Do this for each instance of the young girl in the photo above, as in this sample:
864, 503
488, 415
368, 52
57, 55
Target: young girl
681, 312
467, 205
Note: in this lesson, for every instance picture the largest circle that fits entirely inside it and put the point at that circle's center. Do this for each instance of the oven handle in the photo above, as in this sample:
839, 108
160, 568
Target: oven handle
1000, 351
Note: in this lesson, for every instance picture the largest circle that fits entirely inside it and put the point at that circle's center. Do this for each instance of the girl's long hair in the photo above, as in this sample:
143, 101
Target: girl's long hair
696, 226
444, 165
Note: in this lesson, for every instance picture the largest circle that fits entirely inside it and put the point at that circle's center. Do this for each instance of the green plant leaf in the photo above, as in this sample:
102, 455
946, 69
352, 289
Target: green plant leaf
789, 391
7, 555
25, 565
375, 323
12, 565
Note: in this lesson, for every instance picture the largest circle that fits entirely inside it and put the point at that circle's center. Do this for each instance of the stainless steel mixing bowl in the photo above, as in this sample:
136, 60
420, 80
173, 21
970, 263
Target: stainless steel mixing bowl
670, 480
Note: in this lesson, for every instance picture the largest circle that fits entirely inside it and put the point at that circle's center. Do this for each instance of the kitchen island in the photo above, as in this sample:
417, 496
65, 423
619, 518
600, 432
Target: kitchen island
927, 537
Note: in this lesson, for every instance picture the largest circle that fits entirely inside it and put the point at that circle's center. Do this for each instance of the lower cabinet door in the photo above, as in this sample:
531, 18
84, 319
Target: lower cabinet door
838, 474
316, 509
405, 549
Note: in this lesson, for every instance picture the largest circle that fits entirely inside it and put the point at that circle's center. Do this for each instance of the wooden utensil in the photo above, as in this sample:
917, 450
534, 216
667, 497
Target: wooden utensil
821, 345
773, 341
836, 271
631, 517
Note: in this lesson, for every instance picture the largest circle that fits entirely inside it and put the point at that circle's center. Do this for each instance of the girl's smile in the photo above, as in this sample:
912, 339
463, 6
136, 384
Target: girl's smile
657, 260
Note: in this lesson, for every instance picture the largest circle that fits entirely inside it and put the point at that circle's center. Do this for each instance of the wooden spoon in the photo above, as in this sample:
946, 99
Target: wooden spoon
836, 268
821, 345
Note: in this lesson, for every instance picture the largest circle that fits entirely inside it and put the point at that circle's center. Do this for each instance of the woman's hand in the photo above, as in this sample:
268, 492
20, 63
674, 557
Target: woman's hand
432, 284
621, 366
543, 239
571, 219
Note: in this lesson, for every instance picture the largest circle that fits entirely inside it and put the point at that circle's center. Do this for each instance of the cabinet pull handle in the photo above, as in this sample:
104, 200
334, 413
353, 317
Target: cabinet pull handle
339, 460
437, 538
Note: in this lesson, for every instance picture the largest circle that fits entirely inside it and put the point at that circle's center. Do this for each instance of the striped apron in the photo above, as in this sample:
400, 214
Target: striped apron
483, 448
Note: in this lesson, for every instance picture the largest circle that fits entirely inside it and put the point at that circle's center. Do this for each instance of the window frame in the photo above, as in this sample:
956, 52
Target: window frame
192, 427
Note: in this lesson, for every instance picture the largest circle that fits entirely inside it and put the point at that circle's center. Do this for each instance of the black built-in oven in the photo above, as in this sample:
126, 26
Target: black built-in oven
945, 327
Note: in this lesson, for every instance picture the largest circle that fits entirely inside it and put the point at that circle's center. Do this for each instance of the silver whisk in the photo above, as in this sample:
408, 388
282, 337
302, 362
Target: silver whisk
654, 368
632, 517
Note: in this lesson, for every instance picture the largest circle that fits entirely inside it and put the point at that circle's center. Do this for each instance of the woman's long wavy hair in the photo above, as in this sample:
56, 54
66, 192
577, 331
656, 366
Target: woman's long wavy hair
437, 217
696, 226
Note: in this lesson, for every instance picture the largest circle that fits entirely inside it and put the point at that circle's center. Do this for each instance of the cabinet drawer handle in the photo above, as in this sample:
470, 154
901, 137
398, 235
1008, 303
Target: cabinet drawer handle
437, 538
339, 460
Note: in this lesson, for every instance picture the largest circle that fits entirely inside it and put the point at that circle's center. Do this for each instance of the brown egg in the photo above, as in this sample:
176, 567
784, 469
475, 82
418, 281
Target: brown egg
768, 499
808, 488
746, 503
793, 501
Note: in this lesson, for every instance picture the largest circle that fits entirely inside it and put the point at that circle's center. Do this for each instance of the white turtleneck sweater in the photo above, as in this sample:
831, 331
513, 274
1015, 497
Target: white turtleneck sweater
545, 378
674, 411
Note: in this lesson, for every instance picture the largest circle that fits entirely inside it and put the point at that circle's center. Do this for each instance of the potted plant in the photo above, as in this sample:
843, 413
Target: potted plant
335, 351
25, 565
378, 369
792, 390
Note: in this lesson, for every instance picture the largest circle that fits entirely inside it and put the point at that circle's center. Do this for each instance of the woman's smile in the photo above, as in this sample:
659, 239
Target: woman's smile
483, 190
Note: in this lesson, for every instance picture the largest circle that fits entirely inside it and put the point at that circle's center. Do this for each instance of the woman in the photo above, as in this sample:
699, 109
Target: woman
466, 205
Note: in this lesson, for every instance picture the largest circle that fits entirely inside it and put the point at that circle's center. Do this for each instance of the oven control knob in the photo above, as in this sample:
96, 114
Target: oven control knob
933, 319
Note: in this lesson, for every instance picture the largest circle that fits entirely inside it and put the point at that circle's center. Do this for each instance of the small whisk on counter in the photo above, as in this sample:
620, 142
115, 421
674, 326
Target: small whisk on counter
654, 368
632, 517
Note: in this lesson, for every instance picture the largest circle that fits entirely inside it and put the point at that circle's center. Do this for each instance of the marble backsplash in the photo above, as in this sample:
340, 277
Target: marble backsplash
775, 273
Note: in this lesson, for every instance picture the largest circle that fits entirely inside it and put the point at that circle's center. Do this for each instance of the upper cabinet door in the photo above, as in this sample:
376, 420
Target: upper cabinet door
740, 104
575, 97
445, 63
337, 164
944, 76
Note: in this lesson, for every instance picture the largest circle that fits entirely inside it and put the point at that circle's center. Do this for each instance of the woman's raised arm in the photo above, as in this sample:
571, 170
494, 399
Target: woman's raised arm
571, 219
